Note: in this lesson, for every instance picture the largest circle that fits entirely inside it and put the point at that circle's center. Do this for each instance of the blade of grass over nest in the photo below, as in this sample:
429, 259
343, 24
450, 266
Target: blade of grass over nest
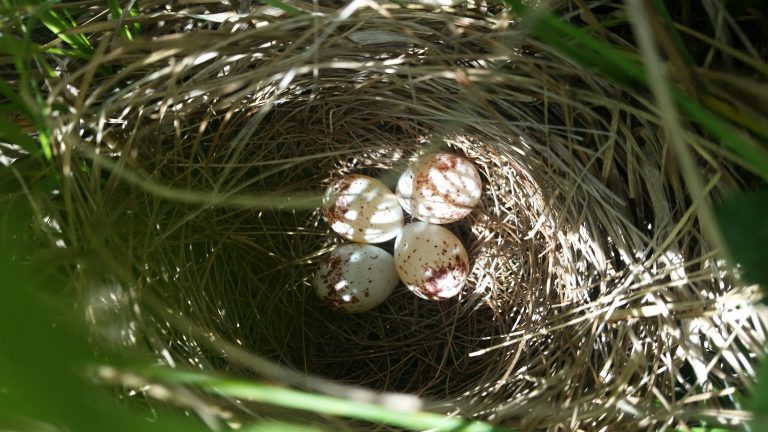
625, 69
293, 200
288, 398
280, 373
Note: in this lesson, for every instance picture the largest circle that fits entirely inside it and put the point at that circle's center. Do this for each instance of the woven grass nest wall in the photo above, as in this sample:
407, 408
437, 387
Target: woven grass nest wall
594, 299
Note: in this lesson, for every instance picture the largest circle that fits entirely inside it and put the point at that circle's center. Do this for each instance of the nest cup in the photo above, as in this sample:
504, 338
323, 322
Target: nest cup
207, 158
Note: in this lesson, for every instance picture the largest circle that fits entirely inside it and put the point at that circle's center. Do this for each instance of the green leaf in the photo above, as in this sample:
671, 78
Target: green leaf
743, 220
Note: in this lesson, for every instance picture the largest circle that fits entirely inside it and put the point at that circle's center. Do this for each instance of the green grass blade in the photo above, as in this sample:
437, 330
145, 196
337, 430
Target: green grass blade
321, 404
134, 11
58, 25
117, 13
45, 144
753, 154
617, 64
727, 111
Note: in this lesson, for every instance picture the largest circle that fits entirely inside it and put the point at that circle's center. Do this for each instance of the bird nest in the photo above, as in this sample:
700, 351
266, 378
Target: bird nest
193, 171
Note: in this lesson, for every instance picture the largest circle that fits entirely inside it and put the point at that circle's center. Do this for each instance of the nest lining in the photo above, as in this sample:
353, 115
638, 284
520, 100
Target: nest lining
591, 286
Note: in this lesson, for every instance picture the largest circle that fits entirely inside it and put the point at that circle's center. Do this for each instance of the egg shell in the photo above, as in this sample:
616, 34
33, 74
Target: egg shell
431, 261
362, 209
441, 188
355, 277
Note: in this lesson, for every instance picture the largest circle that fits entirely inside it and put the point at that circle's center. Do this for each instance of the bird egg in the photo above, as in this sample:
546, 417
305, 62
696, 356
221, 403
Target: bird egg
355, 277
431, 261
362, 209
441, 188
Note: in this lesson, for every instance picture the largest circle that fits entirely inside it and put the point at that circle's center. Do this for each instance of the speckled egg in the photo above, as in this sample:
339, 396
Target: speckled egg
355, 277
362, 209
431, 261
441, 188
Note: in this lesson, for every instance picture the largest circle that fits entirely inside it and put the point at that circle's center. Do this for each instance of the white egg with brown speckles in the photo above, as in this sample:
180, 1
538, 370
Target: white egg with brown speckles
441, 188
362, 209
355, 277
431, 261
